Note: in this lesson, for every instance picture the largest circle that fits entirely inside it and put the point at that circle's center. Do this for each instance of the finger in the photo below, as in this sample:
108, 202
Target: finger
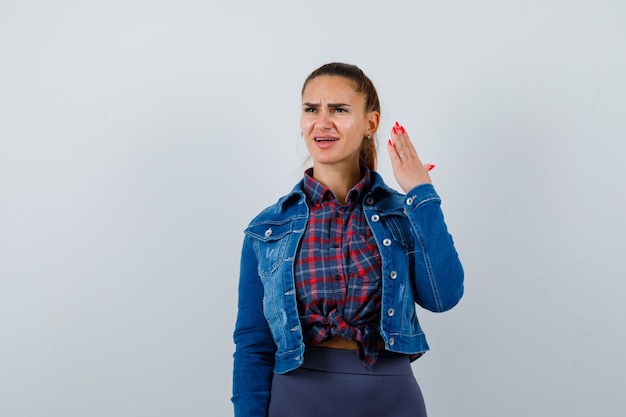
393, 153
399, 156
402, 141
399, 143
408, 143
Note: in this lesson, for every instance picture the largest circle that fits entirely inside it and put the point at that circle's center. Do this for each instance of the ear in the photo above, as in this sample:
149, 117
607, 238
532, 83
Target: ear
373, 120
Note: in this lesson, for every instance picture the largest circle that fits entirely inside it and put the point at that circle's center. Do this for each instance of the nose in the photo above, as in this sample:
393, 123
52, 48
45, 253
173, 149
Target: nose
323, 122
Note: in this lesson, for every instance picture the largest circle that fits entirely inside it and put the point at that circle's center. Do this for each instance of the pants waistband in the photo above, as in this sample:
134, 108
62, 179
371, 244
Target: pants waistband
348, 361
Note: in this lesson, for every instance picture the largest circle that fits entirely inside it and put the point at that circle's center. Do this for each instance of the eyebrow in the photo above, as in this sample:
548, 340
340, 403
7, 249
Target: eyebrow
331, 105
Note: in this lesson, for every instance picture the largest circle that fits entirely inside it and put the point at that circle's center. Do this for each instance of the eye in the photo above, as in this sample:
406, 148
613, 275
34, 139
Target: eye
309, 109
340, 110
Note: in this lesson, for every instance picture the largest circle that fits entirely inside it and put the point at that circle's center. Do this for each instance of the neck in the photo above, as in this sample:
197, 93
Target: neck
339, 180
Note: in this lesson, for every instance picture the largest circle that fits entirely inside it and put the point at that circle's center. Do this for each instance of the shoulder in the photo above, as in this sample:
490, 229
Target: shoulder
383, 194
389, 197
287, 206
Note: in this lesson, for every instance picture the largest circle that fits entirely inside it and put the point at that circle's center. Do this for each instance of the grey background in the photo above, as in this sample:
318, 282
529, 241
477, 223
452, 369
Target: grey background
137, 139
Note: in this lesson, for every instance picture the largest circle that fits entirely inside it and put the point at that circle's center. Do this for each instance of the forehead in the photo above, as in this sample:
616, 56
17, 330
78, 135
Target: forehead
331, 88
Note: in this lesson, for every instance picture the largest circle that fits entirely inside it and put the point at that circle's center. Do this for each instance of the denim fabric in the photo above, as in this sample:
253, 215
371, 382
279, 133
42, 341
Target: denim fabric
419, 265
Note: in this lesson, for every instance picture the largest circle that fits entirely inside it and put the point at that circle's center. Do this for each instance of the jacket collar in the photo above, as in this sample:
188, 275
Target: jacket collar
297, 194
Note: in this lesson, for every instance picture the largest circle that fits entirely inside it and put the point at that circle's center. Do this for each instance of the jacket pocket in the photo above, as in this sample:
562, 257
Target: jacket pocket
400, 228
270, 242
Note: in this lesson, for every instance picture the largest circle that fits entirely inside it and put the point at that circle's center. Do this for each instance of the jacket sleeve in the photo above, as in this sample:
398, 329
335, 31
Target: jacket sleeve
254, 346
438, 273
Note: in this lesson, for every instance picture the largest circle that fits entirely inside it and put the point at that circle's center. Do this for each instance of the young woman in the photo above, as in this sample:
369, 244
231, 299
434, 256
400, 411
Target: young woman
331, 273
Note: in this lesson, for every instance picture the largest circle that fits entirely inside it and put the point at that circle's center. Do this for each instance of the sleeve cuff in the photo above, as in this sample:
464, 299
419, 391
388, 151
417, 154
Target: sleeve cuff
421, 194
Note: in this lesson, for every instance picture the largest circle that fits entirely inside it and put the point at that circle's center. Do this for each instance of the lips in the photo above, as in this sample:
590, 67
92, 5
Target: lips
326, 139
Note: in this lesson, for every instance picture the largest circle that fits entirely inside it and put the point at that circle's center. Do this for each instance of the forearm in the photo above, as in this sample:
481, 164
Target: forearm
438, 273
252, 377
254, 346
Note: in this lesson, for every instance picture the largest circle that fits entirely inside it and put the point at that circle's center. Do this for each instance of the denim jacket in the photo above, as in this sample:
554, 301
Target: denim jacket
419, 265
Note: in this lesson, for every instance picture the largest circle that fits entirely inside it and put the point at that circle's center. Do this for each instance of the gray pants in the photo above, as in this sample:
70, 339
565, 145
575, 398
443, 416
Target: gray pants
333, 382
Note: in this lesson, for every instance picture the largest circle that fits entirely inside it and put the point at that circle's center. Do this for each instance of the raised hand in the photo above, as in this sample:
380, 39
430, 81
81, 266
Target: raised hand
407, 166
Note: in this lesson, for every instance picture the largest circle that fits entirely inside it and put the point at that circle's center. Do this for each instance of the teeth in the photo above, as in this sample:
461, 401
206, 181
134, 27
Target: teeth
325, 139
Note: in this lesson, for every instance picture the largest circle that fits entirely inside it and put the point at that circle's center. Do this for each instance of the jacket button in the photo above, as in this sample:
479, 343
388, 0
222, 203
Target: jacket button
369, 201
390, 312
393, 275
268, 232
391, 341
409, 201
387, 242
375, 218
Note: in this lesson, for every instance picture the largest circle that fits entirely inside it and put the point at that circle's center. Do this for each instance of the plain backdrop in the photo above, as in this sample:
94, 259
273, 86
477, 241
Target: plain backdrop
138, 138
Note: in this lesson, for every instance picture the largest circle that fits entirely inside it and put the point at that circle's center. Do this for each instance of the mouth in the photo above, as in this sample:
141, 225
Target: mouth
325, 139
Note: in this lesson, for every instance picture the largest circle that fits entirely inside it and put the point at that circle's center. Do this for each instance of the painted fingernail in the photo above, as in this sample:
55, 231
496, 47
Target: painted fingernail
397, 124
430, 168
389, 142
394, 130
402, 129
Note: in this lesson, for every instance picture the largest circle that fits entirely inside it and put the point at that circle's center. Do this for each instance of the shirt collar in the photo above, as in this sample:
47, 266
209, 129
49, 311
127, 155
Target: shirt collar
317, 193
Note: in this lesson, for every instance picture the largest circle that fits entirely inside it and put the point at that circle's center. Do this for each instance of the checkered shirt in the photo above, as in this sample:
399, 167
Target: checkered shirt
338, 270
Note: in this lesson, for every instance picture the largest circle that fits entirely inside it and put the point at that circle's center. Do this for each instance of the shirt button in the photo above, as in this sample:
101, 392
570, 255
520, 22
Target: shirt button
337, 277
268, 232
409, 200
369, 201
387, 242
375, 218
393, 275
391, 341
335, 245
390, 312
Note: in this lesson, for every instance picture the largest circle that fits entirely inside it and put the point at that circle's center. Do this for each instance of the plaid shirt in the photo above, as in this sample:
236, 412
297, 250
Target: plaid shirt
338, 271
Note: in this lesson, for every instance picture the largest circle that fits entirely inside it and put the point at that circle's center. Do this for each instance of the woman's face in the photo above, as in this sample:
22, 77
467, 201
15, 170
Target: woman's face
334, 121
